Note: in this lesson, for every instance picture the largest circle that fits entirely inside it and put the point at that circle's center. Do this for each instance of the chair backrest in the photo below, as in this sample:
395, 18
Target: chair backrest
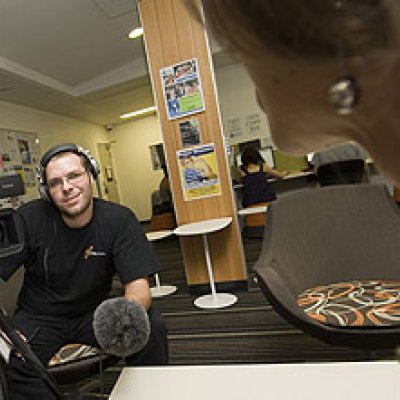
331, 234
342, 172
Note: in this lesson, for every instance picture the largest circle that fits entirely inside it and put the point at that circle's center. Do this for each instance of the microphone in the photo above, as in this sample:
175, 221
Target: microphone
121, 327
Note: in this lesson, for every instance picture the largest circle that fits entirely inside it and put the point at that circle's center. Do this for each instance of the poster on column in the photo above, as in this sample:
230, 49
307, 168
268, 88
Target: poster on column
182, 89
199, 172
190, 132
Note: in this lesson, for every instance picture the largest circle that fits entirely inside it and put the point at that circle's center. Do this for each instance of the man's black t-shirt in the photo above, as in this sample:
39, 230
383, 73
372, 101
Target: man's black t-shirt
68, 271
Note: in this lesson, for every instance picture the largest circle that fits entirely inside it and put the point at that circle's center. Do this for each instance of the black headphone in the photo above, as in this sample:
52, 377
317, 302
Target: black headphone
92, 165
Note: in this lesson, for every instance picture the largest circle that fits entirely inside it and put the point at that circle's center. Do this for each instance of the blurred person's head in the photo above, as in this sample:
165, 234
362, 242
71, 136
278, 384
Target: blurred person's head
250, 155
295, 52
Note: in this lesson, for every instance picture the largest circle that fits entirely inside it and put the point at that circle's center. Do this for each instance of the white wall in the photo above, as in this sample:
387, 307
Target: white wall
51, 129
131, 156
242, 118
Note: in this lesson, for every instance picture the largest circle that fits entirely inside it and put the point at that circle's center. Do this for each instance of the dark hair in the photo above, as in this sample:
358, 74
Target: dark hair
250, 155
312, 28
84, 161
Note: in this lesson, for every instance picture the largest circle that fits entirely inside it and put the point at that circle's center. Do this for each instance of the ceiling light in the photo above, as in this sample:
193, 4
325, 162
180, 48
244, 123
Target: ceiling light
137, 113
135, 33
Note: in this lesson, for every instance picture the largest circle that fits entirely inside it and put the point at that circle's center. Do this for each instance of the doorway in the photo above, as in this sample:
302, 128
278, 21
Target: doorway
107, 175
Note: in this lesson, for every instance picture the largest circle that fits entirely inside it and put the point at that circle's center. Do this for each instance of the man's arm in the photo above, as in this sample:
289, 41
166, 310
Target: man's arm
273, 172
139, 291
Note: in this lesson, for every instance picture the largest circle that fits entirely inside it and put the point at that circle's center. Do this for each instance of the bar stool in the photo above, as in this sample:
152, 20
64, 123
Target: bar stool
160, 290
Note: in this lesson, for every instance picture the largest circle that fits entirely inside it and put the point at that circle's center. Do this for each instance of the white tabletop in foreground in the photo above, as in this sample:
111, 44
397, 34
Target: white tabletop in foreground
203, 227
327, 381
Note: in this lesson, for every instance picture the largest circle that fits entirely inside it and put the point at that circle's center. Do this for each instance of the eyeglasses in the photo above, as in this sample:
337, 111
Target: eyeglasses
72, 178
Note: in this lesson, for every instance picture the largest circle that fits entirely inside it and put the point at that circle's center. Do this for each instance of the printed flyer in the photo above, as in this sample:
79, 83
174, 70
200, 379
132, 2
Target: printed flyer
182, 89
199, 172
190, 132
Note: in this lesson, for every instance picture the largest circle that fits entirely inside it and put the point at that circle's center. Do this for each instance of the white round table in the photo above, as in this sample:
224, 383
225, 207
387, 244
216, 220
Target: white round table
160, 290
213, 300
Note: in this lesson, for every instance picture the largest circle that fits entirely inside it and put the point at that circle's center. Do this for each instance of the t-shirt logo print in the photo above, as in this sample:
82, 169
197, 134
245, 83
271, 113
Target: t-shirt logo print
89, 252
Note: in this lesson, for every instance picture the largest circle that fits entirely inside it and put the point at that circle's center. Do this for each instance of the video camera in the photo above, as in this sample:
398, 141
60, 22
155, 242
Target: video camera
11, 230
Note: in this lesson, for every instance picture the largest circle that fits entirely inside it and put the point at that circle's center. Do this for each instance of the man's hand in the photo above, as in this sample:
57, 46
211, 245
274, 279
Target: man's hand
139, 291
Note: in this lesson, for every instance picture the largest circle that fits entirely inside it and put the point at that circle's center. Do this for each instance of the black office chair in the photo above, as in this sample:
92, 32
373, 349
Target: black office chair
330, 264
342, 172
80, 363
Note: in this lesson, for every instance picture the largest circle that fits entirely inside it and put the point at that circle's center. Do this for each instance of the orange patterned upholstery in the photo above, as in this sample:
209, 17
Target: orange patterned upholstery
354, 303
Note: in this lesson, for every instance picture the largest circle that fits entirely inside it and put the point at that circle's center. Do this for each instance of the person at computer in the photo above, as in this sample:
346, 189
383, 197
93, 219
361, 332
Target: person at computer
161, 199
254, 172
75, 245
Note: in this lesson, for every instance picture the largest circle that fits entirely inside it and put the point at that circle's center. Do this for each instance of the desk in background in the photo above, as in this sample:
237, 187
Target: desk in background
294, 181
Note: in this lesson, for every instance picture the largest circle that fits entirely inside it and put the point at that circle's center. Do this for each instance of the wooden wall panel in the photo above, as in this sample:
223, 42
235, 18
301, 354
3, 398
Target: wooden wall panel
173, 36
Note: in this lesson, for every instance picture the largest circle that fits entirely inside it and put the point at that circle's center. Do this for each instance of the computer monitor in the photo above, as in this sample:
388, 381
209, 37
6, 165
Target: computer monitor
290, 162
238, 159
268, 155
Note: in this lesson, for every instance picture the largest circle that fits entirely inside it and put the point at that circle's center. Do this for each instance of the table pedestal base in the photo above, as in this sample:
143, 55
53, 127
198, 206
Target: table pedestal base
217, 300
163, 290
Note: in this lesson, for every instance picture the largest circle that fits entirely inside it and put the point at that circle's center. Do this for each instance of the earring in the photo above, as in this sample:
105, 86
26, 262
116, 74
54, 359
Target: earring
344, 94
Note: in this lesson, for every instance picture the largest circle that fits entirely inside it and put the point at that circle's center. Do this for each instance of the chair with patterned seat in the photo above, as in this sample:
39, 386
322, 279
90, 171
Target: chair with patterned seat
77, 363
330, 264
73, 364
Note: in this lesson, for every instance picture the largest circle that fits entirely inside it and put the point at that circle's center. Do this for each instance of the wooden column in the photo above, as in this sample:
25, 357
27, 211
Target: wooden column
172, 36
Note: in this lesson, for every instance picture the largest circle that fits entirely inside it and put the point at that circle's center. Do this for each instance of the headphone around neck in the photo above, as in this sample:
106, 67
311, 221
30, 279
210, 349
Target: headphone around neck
92, 164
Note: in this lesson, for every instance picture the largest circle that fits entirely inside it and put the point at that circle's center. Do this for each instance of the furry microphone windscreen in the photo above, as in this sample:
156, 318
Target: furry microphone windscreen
121, 327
